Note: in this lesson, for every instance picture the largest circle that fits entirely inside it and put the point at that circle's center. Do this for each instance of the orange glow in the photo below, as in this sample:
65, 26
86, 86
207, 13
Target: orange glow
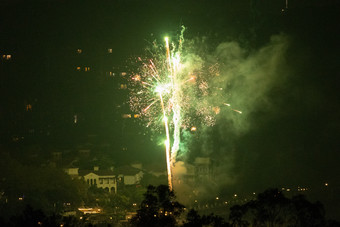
126, 115
192, 79
216, 109
90, 210
136, 77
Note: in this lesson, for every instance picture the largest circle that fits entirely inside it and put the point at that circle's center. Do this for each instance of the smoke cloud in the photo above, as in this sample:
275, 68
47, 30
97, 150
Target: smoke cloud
239, 81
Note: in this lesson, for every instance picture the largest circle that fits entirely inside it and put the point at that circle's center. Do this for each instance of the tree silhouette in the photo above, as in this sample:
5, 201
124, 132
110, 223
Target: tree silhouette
308, 214
158, 209
273, 209
236, 216
195, 220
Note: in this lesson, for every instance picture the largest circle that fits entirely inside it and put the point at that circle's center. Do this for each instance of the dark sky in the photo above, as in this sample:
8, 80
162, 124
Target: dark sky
292, 142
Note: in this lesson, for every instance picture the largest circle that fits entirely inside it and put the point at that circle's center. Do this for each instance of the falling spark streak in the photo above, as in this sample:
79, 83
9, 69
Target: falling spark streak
237, 111
147, 84
146, 109
167, 144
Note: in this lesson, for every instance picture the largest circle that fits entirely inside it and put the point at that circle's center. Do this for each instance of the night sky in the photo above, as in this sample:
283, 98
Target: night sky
289, 134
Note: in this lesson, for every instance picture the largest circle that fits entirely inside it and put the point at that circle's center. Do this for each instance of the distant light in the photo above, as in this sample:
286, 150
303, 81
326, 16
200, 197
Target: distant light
235, 195
326, 184
193, 129
217, 198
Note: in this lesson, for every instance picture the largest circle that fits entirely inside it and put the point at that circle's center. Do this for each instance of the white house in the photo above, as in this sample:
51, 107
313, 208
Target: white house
105, 179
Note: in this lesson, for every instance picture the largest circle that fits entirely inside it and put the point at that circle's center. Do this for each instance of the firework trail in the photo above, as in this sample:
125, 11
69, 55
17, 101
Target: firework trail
171, 88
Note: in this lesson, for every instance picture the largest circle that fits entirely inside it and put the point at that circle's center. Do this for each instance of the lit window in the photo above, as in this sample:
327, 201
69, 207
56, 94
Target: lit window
78, 68
28, 107
109, 51
111, 73
136, 115
79, 51
87, 69
8, 56
123, 86
123, 73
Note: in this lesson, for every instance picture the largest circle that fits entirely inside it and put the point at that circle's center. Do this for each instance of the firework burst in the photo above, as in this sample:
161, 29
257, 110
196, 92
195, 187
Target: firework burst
171, 88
